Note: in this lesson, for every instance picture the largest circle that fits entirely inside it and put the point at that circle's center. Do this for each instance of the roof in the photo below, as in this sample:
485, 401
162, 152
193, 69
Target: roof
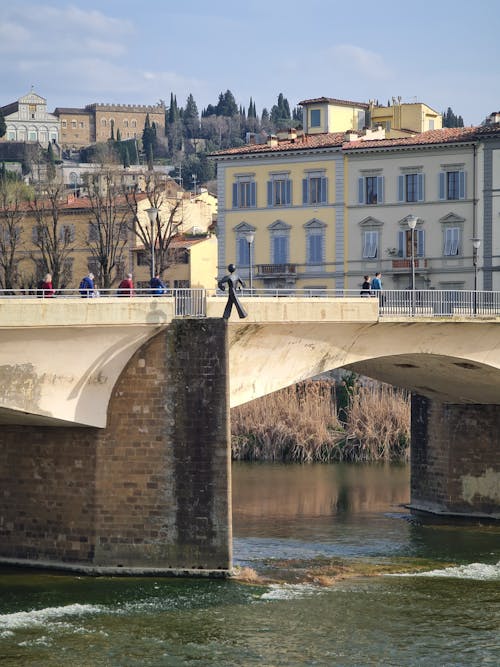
70, 110
179, 242
446, 135
333, 100
304, 142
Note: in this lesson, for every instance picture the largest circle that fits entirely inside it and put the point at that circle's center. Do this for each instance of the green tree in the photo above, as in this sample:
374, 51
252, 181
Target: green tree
51, 163
226, 105
191, 118
3, 126
280, 113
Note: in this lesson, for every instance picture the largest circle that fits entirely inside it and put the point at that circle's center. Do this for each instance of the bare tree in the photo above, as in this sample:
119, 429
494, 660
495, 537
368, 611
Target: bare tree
13, 196
109, 226
166, 223
53, 239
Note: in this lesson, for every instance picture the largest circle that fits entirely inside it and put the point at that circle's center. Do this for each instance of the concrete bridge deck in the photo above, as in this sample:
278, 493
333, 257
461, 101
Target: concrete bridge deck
61, 358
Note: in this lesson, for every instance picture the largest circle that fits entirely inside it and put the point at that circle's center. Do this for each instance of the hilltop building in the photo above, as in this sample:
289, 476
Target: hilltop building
28, 120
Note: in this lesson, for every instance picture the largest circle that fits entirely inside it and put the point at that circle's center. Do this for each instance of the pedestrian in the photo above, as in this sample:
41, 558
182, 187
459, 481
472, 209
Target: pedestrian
157, 285
46, 287
233, 282
126, 287
377, 282
365, 287
87, 286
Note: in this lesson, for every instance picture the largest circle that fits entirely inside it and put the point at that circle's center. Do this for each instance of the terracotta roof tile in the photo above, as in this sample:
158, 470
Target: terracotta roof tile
307, 141
337, 102
444, 136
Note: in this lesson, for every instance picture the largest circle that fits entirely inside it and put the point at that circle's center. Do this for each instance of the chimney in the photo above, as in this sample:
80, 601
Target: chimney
351, 135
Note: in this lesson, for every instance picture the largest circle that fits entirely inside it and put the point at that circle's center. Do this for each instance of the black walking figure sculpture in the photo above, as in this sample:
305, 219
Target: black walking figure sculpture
233, 281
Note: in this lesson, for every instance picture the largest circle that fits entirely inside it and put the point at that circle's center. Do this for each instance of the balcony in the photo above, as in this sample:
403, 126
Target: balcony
405, 264
276, 270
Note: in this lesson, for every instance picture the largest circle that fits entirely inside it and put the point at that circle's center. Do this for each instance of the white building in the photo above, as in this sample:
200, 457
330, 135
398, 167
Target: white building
28, 120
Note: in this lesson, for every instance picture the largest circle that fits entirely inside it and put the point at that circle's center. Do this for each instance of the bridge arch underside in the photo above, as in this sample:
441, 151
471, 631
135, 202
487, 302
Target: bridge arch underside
457, 363
451, 369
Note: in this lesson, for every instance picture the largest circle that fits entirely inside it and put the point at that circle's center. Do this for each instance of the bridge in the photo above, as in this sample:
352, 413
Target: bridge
114, 413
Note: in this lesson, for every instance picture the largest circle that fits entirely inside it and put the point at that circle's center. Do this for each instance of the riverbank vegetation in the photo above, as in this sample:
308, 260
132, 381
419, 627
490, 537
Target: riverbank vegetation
324, 421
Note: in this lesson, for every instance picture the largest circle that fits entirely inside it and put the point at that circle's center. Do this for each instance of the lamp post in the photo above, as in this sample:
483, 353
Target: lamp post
412, 223
250, 239
152, 214
475, 251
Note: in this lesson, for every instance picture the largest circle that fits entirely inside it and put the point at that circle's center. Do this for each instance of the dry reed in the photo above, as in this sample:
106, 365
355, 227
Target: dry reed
301, 424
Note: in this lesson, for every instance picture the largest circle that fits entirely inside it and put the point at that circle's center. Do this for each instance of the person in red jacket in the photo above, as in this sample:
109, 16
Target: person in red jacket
126, 287
46, 287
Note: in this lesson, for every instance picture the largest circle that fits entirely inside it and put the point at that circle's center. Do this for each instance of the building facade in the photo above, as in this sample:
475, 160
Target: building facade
320, 210
28, 120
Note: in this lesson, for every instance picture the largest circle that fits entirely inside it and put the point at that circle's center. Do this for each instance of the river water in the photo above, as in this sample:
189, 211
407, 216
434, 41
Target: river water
333, 571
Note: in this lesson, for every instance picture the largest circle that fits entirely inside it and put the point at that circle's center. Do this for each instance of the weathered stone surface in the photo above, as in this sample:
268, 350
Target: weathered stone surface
150, 491
455, 458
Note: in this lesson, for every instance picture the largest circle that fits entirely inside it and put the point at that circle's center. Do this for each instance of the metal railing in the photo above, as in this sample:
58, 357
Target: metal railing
392, 303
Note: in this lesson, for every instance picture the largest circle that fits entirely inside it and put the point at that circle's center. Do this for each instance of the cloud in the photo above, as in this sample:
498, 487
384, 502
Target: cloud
361, 61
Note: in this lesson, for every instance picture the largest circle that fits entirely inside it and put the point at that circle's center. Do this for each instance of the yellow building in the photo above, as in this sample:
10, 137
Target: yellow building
404, 118
280, 217
327, 114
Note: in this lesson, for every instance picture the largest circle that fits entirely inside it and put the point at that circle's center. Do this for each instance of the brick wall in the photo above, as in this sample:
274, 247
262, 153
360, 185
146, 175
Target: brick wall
152, 490
455, 458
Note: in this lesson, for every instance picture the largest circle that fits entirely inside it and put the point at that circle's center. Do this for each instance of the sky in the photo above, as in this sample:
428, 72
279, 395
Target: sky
446, 54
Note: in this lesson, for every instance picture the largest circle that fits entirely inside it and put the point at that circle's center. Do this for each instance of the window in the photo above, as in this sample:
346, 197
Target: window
315, 243
73, 124
431, 123
411, 187
133, 124
244, 192
242, 251
315, 118
82, 124
370, 244
405, 243
451, 241
125, 123
371, 190
67, 233
280, 242
93, 229
452, 184
64, 123
315, 188
104, 122
142, 258
279, 190
32, 135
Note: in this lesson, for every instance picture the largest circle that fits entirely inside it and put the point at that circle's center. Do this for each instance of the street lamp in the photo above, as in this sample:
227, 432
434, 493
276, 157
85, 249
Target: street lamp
475, 251
152, 214
412, 223
250, 239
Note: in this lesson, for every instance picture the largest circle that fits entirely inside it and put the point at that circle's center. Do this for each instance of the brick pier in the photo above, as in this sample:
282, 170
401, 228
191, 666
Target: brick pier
150, 493
455, 458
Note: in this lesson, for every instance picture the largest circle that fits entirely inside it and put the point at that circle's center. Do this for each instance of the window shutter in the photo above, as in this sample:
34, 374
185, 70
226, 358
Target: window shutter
420, 187
461, 185
235, 195
420, 242
269, 193
324, 190
380, 189
280, 250
447, 242
442, 183
288, 192
361, 190
401, 188
243, 252
401, 244
305, 198
253, 193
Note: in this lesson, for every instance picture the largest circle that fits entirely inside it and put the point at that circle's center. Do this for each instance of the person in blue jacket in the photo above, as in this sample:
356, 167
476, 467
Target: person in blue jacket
87, 286
157, 285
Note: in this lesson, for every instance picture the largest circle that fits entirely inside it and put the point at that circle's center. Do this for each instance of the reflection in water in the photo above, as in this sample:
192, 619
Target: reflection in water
295, 524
